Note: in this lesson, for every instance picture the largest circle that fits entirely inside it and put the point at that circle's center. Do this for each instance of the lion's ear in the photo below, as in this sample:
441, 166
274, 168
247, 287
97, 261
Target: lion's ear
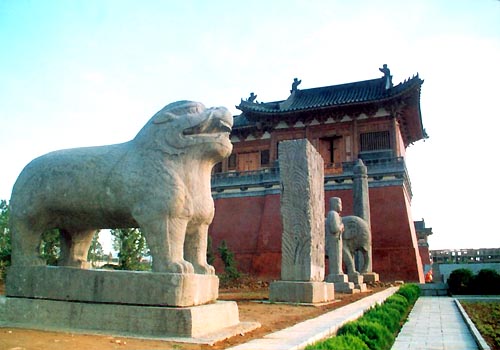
164, 117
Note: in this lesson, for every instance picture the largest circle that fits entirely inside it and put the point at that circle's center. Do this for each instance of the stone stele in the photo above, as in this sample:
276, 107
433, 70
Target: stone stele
302, 213
160, 182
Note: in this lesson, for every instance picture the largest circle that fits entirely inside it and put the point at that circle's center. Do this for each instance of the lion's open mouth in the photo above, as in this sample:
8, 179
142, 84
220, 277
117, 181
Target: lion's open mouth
211, 126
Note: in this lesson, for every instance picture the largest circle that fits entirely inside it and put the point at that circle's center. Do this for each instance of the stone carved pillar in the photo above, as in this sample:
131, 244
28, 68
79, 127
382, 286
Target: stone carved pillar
361, 201
361, 209
302, 213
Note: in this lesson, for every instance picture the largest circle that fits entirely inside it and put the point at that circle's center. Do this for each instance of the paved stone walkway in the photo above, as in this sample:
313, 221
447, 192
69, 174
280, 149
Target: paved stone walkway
435, 323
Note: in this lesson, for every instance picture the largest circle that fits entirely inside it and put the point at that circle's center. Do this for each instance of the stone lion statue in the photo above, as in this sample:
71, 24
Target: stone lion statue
159, 181
356, 237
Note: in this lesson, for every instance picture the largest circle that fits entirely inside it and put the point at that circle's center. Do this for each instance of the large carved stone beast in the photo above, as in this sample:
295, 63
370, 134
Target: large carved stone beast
356, 237
159, 181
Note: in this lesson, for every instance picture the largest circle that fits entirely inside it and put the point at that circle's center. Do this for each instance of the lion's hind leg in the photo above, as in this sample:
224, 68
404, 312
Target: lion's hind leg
25, 241
75, 247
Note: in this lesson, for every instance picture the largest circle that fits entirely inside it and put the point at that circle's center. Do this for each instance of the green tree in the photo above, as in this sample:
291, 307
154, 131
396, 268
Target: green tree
50, 246
96, 253
5, 246
131, 246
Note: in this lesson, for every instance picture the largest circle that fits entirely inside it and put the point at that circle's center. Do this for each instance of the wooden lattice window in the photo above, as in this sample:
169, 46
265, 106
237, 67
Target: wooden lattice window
374, 141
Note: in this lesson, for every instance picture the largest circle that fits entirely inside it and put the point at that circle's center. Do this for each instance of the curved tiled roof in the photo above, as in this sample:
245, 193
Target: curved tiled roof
330, 96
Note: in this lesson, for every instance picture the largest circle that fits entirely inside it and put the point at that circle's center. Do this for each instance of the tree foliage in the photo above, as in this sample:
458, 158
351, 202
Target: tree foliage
5, 246
50, 247
131, 246
96, 253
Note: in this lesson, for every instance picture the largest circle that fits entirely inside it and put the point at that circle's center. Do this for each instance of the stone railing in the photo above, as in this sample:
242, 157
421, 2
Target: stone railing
378, 170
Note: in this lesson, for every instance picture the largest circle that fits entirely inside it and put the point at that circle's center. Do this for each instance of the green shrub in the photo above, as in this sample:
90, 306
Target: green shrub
400, 309
341, 342
397, 299
385, 316
376, 336
230, 265
459, 281
410, 291
486, 282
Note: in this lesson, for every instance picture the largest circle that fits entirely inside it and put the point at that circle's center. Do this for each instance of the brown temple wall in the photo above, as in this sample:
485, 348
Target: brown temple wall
252, 227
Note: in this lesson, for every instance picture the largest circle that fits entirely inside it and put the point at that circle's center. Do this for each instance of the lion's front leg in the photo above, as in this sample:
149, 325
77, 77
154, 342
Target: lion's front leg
195, 248
165, 238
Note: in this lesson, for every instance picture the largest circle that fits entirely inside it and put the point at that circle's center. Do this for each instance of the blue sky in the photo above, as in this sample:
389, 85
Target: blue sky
91, 72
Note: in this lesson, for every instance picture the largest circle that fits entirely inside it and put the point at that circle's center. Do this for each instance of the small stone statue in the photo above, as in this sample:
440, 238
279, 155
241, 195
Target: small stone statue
333, 230
387, 76
385, 70
252, 97
296, 82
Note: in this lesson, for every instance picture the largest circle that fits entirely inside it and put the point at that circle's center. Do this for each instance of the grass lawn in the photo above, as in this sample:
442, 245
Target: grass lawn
486, 317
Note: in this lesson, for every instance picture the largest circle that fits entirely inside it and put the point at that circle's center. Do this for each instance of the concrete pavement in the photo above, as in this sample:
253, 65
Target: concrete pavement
435, 323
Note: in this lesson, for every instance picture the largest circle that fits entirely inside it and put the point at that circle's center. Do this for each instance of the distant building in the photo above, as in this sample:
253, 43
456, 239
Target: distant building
466, 256
373, 120
423, 234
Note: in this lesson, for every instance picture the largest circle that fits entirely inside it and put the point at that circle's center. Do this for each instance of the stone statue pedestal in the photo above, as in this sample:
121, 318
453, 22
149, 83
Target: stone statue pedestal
342, 284
117, 287
358, 281
301, 292
128, 303
205, 323
370, 277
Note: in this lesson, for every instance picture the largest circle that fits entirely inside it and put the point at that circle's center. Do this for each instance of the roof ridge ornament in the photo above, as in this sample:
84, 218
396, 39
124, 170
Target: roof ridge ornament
387, 76
295, 84
252, 98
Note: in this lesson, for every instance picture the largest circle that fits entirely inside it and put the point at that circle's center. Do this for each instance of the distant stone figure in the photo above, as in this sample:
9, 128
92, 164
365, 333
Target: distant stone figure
333, 230
295, 84
385, 70
159, 181
387, 76
356, 237
252, 97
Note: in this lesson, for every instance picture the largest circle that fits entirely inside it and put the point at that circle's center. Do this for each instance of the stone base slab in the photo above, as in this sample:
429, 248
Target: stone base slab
342, 284
301, 292
362, 287
370, 277
203, 321
356, 278
117, 287
346, 287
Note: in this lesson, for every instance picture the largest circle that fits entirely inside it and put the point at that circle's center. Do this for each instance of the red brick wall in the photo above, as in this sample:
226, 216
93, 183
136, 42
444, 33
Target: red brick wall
252, 229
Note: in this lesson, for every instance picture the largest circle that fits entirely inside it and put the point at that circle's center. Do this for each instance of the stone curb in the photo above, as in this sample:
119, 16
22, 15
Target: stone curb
481, 343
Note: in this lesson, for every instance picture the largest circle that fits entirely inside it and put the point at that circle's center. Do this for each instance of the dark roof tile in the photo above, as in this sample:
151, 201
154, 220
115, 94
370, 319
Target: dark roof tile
329, 96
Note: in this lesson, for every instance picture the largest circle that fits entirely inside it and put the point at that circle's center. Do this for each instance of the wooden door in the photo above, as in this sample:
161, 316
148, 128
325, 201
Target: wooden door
248, 161
333, 152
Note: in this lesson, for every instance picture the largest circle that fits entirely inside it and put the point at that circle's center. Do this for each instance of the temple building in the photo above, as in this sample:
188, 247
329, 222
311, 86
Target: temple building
373, 120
